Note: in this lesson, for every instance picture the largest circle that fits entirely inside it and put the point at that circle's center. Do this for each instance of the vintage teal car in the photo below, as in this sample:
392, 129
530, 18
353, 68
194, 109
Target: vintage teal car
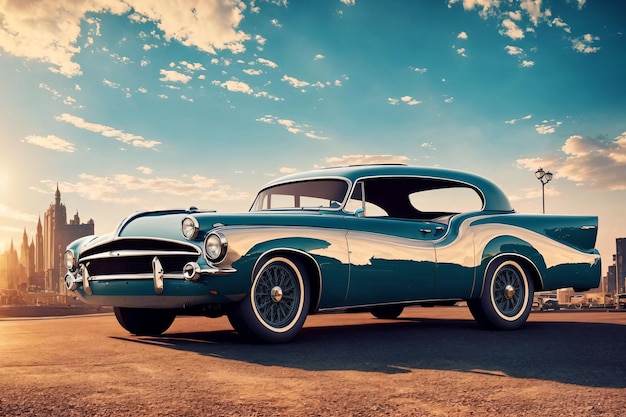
360, 238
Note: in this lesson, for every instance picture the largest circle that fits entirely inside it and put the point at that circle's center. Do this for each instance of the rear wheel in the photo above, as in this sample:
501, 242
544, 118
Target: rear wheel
387, 312
144, 321
507, 297
277, 305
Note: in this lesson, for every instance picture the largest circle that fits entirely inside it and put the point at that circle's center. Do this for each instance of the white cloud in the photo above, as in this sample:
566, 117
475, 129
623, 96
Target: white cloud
235, 86
145, 170
192, 66
419, 70
292, 127
174, 77
294, 82
276, 23
318, 57
589, 161
408, 100
288, 170
462, 35
207, 25
527, 63
533, 8
267, 62
584, 44
48, 30
547, 127
513, 50
251, 71
461, 51
50, 142
513, 121
365, 159
511, 30
348, 2
7, 212
109, 132
117, 188
486, 5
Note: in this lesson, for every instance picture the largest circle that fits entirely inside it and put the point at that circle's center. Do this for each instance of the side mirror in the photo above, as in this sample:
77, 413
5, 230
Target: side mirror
360, 212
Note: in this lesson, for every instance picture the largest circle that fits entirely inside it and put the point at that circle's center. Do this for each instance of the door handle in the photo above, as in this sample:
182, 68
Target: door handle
588, 228
425, 231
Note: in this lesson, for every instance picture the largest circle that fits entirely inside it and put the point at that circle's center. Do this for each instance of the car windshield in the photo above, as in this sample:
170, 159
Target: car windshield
311, 194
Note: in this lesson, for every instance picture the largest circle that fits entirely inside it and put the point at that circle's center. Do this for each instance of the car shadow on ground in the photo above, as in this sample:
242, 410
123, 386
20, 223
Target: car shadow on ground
586, 354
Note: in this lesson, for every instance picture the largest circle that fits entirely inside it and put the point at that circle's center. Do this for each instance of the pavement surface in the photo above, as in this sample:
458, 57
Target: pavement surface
429, 362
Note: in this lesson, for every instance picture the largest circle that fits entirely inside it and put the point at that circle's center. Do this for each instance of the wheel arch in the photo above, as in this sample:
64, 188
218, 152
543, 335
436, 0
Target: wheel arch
304, 260
511, 248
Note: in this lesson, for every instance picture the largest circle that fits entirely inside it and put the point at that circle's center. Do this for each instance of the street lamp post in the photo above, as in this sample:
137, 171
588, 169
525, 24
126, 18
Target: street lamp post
545, 177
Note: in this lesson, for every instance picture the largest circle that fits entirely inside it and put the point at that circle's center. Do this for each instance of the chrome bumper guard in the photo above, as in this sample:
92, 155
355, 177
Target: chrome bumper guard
192, 271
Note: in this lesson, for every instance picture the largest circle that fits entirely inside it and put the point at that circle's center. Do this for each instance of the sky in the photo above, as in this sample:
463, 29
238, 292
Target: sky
148, 104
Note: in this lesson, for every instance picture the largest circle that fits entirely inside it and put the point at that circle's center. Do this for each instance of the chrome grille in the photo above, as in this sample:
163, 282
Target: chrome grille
134, 257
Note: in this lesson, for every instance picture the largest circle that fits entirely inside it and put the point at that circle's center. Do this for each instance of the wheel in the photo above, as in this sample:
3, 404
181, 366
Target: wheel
277, 305
144, 321
387, 312
506, 299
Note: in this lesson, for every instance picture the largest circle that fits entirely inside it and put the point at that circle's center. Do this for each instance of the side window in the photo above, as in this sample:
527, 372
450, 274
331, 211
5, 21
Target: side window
371, 210
355, 202
447, 200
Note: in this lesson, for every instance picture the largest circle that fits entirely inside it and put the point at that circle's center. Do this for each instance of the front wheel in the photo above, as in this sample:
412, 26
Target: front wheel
144, 321
506, 299
275, 309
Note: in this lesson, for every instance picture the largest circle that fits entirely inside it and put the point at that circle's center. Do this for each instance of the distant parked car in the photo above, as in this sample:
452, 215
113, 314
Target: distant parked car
620, 300
578, 301
550, 305
340, 239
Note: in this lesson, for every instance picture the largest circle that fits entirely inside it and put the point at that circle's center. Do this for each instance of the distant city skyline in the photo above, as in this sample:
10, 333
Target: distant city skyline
36, 264
147, 104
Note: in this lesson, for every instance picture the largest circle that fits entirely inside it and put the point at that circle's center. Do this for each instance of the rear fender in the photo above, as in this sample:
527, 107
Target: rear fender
510, 247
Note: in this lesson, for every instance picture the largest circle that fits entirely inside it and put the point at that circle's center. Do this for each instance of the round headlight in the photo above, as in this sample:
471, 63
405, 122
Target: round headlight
70, 260
215, 247
190, 228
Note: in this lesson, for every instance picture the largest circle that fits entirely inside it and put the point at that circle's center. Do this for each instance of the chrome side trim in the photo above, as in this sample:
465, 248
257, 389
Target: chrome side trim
403, 303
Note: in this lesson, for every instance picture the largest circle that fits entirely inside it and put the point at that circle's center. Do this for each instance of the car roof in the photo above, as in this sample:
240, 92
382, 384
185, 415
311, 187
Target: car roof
494, 198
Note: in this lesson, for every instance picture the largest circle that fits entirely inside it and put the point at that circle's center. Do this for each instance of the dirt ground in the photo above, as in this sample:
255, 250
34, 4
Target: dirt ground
429, 362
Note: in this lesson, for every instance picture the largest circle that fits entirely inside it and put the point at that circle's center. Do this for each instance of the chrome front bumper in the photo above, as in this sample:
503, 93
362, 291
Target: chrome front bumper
192, 271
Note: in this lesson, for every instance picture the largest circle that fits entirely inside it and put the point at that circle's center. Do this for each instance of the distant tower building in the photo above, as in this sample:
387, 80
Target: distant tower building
25, 260
611, 283
620, 263
39, 249
12, 268
57, 234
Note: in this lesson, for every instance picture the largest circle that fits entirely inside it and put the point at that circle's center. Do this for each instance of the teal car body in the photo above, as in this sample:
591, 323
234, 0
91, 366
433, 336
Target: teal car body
339, 239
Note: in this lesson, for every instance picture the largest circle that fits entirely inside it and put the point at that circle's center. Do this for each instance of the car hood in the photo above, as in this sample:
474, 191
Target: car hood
167, 225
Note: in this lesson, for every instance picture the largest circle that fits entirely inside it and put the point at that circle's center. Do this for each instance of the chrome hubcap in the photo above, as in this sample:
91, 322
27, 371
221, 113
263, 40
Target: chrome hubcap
509, 291
277, 294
